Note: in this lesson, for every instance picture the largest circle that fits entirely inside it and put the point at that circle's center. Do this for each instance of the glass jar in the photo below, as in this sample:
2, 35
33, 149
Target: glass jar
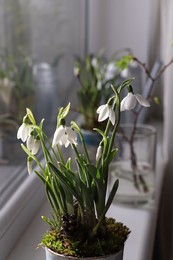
134, 164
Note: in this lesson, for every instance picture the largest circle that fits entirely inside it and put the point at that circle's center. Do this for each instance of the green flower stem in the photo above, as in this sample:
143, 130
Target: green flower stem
32, 156
59, 153
117, 102
87, 178
53, 150
75, 126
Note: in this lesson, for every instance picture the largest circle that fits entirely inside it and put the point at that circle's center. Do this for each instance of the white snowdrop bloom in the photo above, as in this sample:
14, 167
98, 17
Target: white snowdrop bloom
76, 71
130, 101
110, 71
94, 62
99, 152
23, 132
33, 144
124, 73
99, 85
105, 111
64, 136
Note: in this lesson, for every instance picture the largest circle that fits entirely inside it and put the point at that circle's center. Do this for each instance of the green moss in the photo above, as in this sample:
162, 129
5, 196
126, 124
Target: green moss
110, 239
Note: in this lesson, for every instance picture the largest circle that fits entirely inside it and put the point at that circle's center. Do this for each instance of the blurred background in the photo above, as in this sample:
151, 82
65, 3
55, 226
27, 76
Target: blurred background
39, 41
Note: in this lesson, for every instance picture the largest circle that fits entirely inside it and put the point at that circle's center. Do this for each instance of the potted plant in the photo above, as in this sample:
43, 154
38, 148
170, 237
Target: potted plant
17, 87
94, 74
78, 191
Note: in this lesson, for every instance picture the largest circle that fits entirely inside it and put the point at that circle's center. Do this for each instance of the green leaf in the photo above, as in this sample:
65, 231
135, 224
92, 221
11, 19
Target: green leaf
70, 186
113, 154
94, 172
68, 163
65, 111
124, 62
75, 126
111, 196
157, 100
31, 116
107, 206
41, 123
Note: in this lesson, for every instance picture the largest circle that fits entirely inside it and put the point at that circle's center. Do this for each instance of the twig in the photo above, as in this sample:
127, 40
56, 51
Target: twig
138, 178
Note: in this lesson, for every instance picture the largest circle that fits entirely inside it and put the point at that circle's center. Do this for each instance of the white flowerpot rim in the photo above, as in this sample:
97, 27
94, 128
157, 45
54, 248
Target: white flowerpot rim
75, 258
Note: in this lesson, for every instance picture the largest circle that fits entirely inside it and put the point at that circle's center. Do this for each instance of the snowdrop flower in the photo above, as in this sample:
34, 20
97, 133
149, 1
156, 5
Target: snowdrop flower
130, 101
64, 136
76, 71
94, 62
23, 132
99, 85
33, 144
124, 73
29, 165
110, 72
105, 111
99, 152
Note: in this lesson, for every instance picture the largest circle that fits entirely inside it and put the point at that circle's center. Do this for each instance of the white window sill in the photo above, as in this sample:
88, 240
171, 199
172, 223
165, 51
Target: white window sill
17, 213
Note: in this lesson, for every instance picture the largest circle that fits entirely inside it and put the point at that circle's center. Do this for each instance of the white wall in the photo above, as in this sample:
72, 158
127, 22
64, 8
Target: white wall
117, 24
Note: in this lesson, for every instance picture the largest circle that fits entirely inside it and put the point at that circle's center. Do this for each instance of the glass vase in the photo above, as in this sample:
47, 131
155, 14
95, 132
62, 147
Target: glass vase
134, 165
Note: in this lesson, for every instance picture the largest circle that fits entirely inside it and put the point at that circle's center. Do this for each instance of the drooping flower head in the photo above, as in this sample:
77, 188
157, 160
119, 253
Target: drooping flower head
130, 101
64, 135
33, 144
105, 111
24, 130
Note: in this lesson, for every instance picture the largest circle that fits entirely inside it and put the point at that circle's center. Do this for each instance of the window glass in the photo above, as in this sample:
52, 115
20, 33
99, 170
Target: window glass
38, 43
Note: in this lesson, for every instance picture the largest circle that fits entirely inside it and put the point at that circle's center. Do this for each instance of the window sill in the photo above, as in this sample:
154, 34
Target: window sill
18, 212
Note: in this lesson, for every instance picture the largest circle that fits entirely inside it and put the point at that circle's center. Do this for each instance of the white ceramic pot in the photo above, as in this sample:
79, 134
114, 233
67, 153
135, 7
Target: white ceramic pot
50, 255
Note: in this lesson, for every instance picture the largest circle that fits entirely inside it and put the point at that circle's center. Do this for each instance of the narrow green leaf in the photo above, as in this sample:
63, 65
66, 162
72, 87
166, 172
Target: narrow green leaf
107, 206
113, 154
68, 184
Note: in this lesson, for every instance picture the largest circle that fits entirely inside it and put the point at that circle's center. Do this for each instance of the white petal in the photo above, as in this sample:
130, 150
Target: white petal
60, 131
100, 108
99, 85
99, 152
123, 104
72, 137
104, 113
110, 72
94, 62
144, 102
30, 142
112, 116
130, 101
36, 147
111, 67
19, 132
23, 132
64, 140
76, 71
124, 73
